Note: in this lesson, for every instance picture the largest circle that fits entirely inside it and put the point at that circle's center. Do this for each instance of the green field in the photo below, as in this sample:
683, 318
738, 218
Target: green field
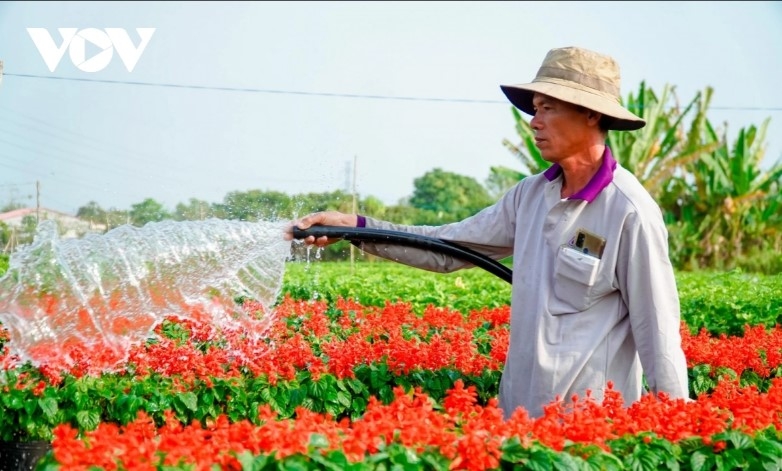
721, 302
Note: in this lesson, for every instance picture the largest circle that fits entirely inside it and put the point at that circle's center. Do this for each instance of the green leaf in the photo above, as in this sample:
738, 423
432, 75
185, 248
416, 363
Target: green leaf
768, 448
564, 462
343, 398
642, 459
49, 407
295, 463
598, 460
266, 395
512, 451
733, 459
738, 439
189, 400
701, 460
334, 460
318, 440
16, 402
540, 460
88, 420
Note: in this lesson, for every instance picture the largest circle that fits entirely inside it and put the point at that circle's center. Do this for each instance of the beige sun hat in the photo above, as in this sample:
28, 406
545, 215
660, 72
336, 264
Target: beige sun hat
581, 77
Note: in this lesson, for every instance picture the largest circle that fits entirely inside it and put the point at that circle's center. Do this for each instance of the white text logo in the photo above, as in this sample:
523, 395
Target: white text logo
75, 41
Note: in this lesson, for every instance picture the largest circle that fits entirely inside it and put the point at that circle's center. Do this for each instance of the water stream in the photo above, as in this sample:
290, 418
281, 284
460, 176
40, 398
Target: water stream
109, 291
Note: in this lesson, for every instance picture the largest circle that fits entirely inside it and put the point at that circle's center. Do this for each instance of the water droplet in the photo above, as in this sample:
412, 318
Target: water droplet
110, 291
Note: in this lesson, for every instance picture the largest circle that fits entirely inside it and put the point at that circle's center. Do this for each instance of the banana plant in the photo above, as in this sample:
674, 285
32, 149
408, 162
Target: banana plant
502, 178
737, 199
658, 152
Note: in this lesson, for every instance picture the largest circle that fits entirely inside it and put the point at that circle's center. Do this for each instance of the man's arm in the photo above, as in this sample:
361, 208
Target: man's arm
648, 287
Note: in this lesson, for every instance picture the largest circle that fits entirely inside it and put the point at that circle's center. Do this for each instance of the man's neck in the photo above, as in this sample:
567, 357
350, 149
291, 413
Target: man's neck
578, 170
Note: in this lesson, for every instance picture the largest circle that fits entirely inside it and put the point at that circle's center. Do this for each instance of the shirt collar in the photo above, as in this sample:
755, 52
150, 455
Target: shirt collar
600, 180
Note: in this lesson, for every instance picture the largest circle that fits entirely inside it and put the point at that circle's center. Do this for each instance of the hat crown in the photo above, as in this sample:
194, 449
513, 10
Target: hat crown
583, 67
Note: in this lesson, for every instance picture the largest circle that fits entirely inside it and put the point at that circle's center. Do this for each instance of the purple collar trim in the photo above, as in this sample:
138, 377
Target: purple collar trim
600, 180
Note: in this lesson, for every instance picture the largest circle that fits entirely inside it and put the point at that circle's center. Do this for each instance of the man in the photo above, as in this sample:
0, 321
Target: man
594, 296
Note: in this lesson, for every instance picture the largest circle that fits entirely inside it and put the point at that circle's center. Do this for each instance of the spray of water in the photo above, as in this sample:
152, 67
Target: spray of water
110, 291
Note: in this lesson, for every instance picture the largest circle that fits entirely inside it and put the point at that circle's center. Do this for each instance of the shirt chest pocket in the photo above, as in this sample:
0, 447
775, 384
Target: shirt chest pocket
575, 276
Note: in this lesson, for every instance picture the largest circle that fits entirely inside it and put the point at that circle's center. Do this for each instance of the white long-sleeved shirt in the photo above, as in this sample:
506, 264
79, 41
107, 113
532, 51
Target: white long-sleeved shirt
577, 322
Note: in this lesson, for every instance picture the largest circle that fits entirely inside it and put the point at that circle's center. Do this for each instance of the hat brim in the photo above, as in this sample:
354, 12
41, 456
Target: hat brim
521, 97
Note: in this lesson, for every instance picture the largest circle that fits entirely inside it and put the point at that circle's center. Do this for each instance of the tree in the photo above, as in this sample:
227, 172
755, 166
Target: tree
312, 202
372, 206
449, 195
254, 205
194, 210
27, 229
10, 206
92, 212
116, 217
148, 210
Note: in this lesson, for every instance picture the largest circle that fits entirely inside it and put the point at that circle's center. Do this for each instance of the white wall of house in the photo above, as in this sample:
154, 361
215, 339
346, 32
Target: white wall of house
70, 226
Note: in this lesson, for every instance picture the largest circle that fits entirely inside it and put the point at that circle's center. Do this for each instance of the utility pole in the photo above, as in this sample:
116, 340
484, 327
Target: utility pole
355, 209
37, 201
11, 245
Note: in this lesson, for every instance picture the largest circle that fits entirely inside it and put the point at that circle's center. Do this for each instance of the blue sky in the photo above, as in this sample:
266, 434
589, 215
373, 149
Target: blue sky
284, 95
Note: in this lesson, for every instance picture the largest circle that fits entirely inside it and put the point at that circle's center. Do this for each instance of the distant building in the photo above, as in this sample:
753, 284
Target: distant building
69, 226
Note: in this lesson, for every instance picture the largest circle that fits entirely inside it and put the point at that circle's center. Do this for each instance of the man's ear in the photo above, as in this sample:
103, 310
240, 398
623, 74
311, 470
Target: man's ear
594, 117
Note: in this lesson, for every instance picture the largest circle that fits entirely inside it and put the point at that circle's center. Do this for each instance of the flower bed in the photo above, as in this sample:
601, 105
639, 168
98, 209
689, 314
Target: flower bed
340, 384
732, 428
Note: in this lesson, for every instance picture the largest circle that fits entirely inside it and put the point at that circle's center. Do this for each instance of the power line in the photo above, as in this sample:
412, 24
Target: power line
259, 90
16, 184
327, 94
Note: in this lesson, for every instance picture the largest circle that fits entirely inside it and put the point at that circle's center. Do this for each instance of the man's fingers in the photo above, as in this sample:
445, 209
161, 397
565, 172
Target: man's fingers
320, 218
310, 220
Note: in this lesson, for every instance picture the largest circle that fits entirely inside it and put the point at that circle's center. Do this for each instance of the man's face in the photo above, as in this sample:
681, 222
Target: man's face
561, 129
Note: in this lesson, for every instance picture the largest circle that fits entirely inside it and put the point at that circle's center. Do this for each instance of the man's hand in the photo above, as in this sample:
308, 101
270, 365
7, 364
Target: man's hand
323, 218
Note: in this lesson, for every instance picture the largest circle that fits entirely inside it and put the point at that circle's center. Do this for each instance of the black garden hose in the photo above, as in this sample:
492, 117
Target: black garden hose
363, 234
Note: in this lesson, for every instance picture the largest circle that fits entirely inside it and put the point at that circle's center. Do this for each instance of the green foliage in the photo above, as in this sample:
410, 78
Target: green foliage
5, 235
381, 281
450, 196
148, 210
647, 451
92, 212
721, 302
724, 302
117, 397
730, 213
194, 210
501, 178
31, 409
255, 205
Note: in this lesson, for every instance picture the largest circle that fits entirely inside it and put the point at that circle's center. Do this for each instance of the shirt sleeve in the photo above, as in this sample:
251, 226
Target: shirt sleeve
489, 232
648, 286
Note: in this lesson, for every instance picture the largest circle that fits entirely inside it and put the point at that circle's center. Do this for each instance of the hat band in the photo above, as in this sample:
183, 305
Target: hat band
577, 77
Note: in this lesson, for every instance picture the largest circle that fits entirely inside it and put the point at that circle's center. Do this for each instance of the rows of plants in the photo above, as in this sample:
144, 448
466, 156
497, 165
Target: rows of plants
374, 382
721, 302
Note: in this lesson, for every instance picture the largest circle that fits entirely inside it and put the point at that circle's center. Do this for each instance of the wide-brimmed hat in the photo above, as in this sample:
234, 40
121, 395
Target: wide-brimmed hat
581, 77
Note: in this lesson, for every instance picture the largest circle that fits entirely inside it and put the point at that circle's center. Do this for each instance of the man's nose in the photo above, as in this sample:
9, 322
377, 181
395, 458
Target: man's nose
534, 123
